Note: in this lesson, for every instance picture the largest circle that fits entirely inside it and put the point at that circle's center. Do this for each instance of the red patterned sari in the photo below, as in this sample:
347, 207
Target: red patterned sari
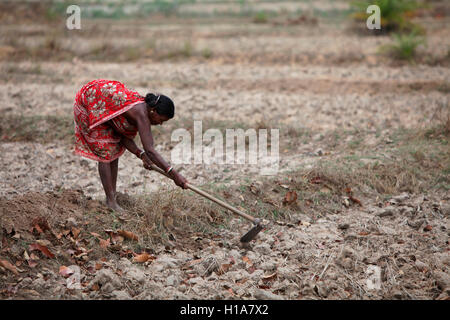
96, 105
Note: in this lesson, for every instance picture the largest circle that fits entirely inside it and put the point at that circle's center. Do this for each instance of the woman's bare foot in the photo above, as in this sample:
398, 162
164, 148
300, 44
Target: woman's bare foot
112, 204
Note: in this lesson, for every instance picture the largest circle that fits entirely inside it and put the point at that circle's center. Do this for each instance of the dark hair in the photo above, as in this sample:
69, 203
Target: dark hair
163, 105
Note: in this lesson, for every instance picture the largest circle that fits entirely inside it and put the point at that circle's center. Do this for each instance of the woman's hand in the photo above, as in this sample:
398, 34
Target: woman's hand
146, 160
179, 179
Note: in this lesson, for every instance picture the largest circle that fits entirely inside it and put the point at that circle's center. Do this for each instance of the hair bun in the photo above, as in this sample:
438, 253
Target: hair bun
151, 99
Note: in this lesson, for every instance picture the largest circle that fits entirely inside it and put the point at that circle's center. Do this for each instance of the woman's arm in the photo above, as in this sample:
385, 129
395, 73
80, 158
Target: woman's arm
140, 116
131, 146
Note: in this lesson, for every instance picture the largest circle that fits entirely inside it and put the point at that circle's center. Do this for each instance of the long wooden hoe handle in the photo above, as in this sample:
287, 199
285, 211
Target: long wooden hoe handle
210, 197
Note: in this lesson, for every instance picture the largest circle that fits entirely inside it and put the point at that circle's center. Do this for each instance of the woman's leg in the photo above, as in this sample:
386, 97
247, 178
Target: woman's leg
114, 169
106, 176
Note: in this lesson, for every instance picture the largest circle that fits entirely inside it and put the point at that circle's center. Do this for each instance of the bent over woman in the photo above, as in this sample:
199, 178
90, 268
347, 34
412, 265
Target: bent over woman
108, 117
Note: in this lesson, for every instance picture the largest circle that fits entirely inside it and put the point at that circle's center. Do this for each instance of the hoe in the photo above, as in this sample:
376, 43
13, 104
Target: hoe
250, 235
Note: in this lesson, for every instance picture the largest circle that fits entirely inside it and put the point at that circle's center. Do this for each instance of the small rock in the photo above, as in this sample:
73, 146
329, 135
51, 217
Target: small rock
263, 248
397, 294
265, 295
39, 282
401, 197
106, 276
124, 263
182, 288
135, 274
318, 152
212, 277
406, 211
350, 237
386, 212
200, 270
256, 275
287, 273
322, 290
415, 224
343, 226
196, 280
442, 279
235, 254
266, 238
238, 275
421, 266
445, 209
268, 266
71, 222
120, 295
25, 282
167, 261
172, 280
107, 288
289, 245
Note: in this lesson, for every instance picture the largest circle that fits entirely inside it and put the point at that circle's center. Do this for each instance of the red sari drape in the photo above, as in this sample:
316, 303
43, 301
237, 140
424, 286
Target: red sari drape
96, 105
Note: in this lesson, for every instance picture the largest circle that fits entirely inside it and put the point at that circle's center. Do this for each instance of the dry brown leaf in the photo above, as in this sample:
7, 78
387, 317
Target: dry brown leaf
223, 268
75, 232
264, 286
191, 263
325, 189
95, 234
40, 224
247, 260
290, 197
254, 189
128, 235
65, 271
7, 265
4, 243
25, 255
116, 239
355, 200
316, 180
269, 277
104, 243
43, 249
37, 228
141, 258
271, 201
33, 256
95, 287
32, 263
44, 242
428, 228
98, 266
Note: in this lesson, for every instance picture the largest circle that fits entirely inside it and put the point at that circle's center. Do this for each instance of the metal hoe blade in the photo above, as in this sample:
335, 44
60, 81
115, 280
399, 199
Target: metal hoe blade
253, 232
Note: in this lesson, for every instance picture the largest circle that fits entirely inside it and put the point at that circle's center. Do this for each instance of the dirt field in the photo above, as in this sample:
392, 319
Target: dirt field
364, 146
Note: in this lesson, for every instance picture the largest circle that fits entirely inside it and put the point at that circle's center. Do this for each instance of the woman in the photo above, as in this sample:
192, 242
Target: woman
107, 118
